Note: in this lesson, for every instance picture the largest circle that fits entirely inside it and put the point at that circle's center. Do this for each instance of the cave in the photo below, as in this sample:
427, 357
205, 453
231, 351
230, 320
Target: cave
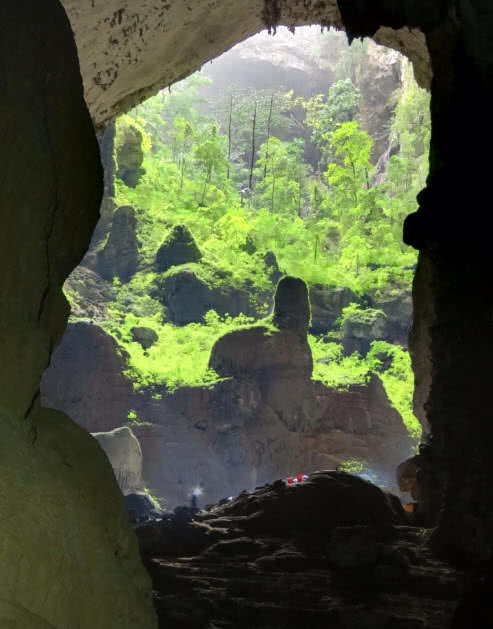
68, 555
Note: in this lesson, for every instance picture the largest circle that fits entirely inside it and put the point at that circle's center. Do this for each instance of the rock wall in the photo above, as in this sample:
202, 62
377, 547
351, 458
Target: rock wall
85, 379
68, 557
128, 50
266, 419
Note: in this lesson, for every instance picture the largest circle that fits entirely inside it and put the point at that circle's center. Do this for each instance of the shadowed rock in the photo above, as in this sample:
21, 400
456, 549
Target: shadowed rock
120, 255
179, 247
291, 305
145, 336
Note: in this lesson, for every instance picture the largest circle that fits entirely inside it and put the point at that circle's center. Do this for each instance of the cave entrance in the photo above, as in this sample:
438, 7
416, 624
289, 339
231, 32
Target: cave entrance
287, 156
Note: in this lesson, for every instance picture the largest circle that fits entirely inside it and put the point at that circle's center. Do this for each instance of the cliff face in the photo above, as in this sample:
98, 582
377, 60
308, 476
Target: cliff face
265, 420
308, 63
68, 557
85, 379
128, 50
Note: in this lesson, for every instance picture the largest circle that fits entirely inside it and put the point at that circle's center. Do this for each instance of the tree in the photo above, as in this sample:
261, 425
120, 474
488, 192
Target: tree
349, 179
210, 157
281, 187
322, 118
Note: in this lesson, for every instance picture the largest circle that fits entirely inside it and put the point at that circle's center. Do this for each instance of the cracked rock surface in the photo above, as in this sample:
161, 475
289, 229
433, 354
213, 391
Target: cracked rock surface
333, 551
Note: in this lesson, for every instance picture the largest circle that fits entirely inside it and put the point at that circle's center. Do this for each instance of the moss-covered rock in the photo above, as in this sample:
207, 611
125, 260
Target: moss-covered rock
179, 247
145, 336
187, 296
361, 328
129, 154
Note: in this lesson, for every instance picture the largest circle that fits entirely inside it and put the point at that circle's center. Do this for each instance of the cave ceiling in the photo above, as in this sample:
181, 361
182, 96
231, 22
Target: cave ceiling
130, 49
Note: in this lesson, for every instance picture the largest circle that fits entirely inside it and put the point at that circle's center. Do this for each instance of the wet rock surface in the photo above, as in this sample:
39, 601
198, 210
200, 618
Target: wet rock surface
332, 551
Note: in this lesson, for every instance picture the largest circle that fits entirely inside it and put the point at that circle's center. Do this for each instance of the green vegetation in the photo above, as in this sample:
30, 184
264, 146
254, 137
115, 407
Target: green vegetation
181, 355
235, 173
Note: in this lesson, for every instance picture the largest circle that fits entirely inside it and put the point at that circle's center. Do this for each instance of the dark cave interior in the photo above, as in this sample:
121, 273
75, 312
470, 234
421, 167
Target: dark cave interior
68, 555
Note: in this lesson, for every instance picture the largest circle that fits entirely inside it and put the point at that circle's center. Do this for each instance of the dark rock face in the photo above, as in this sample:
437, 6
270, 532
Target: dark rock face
120, 255
240, 434
107, 149
292, 306
266, 418
179, 247
187, 298
327, 305
129, 156
63, 524
398, 311
95, 293
141, 508
380, 77
145, 336
332, 551
85, 379
361, 329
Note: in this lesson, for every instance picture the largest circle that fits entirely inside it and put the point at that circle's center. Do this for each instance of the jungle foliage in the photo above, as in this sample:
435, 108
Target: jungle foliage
235, 174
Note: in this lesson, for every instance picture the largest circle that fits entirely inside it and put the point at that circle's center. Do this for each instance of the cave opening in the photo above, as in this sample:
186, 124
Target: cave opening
80, 560
294, 155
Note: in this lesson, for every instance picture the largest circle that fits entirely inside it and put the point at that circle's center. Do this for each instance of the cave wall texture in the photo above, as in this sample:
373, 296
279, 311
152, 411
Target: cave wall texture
67, 557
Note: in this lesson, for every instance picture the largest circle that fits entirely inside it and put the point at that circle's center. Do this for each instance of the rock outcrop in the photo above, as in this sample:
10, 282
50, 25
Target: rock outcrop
85, 379
327, 304
120, 255
146, 337
331, 551
123, 451
89, 294
187, 297
128, 51
179, 247
361, 328
266, 418
380, 77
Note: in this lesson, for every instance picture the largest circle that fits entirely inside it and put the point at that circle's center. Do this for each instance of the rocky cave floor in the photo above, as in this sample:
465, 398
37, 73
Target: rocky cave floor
334, 551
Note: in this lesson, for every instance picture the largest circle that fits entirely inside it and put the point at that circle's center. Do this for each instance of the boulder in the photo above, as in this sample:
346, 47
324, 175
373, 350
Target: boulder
146, 337
141, 508
292, 306
361, 328
353, 546
179, 247
119, 257
407, 474
187, 298
85, 379
88, 294
123, 450
327, 304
